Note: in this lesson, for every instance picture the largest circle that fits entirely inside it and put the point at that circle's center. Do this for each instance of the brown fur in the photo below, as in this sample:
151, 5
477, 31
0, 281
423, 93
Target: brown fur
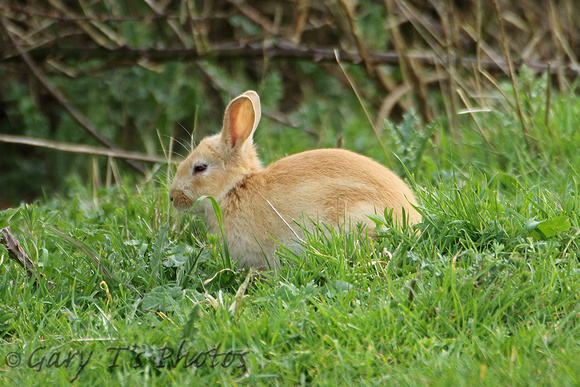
259, 205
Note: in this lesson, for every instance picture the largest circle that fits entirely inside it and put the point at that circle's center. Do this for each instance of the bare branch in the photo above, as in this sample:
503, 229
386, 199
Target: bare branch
72, 111
280, 51
79, 148
16, 252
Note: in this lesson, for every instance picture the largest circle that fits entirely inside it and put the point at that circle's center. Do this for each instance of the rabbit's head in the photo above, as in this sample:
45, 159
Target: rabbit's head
222, 161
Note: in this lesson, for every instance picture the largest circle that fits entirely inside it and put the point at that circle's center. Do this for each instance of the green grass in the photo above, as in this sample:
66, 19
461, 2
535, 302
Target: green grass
487, 293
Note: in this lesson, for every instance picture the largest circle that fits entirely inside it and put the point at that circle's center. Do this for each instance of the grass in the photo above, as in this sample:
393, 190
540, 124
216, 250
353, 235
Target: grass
488, 292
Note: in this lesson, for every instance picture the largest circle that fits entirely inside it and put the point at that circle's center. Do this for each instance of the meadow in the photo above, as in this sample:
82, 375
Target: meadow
474, 104
129, 291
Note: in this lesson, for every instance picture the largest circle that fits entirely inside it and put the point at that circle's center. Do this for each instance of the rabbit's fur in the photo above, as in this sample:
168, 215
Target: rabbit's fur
259, 205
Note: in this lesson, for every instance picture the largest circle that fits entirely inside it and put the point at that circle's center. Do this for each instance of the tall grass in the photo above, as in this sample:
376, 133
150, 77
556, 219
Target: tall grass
486, 293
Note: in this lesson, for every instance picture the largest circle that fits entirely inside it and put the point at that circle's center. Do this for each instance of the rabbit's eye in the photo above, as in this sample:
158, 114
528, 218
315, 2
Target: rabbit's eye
199, 168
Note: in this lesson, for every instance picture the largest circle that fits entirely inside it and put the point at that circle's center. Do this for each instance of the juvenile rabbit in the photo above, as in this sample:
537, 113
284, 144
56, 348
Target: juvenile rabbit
332, 185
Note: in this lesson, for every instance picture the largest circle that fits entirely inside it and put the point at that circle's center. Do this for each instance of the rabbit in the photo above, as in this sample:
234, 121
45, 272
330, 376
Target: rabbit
260, 204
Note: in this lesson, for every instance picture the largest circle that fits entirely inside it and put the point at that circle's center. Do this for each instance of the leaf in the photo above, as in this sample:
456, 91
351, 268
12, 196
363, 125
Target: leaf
178, 256
189, 330
237, 304
218, 214
339, 288
532, 224
6, 316
158, 248
288, 293
409, 126
162, 298
542, 230
5, 323
379, 221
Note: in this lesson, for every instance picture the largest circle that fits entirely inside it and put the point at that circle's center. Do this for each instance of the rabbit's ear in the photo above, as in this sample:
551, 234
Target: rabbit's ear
253, 96
241, 119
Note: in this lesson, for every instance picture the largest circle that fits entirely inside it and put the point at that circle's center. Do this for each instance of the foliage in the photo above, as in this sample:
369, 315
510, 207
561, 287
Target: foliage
484, 291
143, 72
487, 291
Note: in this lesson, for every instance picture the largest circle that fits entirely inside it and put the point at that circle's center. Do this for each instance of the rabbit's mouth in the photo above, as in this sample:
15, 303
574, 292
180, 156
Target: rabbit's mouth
180, 200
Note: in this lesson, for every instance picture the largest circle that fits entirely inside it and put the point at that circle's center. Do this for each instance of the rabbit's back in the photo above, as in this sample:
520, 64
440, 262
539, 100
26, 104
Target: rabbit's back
330, 185
333, 183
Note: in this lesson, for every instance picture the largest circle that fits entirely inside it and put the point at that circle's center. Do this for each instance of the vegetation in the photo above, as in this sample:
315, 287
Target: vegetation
126, 290
488, 292
131, 74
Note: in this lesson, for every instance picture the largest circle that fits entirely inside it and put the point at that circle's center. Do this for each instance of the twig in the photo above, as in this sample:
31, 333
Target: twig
548, 103
497, 86
471, 111
409, 67
283, 220
279, 51
174, 24
560, 38
301, 16
17, 253
79, 148
254, 15
398, 92
512, 76
363, 50
446, 20
98, 31
27, 11
72, 111
355, 89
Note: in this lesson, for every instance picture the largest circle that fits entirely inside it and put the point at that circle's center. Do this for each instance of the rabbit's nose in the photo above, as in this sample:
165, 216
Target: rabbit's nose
171, 194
